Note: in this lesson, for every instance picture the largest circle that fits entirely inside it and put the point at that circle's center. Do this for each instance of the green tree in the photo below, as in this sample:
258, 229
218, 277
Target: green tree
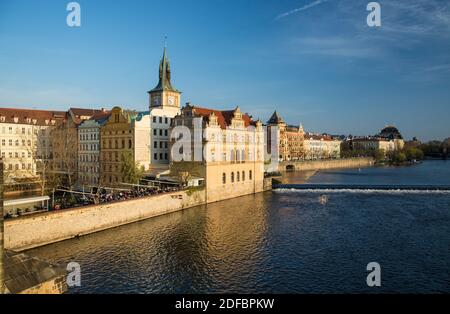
413, 153
398, 157
131, 171
379, 155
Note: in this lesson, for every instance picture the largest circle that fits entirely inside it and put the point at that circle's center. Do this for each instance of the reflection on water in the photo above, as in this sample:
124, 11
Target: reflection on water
274, 242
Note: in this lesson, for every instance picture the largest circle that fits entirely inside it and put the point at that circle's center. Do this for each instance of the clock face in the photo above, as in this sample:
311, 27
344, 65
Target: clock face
156, 101
171, 100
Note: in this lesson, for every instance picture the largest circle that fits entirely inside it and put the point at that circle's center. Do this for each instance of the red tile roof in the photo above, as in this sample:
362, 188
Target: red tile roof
26, 116
79, 113
224, 117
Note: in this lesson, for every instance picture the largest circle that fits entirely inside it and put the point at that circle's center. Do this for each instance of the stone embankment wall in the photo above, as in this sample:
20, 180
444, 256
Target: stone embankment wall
326, 164
41, 229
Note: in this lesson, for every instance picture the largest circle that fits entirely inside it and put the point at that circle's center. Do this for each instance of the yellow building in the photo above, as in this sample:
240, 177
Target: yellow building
224, 147
124, 132
290, 139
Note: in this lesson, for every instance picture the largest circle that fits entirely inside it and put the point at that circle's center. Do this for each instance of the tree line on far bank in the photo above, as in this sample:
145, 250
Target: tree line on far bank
412, 151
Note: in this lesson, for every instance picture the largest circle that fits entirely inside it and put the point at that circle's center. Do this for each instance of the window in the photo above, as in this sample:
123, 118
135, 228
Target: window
224, 178
160, 132
155, 156
250, 175
238, 176
165, 145
160, 119
243, 175
155, 131
130, 145
232, 177
165, 156
160, 144
154, 119
166, 120
155, 144
165, 132
161, 156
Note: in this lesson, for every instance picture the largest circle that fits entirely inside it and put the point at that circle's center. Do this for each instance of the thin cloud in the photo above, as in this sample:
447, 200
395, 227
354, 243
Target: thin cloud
303, 8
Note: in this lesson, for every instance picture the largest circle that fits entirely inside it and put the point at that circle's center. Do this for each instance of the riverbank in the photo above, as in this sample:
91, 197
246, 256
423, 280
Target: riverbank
314, 165
37, 230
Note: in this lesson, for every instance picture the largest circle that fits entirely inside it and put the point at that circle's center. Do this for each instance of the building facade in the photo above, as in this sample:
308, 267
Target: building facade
290, 139
124, 132
319, 146
388, 140
66, 145
226, 148
89, 149
26, 143
164, 105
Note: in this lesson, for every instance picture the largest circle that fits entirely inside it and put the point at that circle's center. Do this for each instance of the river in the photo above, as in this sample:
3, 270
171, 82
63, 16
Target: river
283, 241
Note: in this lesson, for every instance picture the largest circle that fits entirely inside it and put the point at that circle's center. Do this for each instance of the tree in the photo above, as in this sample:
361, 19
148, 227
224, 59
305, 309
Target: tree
413, 153
131, 171
398, 157
42, 160
65, 153
379, 155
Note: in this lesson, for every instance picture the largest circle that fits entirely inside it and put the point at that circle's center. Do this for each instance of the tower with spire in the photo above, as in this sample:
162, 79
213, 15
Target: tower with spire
164, 95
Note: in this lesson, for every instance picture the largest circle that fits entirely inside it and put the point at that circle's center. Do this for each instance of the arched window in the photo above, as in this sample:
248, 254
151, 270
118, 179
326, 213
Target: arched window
243, 175
250, 175
232, 177
238, 176
224, 178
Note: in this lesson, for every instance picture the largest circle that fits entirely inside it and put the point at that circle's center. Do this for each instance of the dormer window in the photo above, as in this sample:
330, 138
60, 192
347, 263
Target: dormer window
34, 121
46, 122
2, 118
28, 120
16, 119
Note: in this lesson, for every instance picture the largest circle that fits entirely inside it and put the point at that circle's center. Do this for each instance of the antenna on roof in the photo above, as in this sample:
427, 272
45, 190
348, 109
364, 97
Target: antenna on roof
165, 41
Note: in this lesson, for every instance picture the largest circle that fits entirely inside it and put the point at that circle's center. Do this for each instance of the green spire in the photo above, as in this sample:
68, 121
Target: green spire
164, 83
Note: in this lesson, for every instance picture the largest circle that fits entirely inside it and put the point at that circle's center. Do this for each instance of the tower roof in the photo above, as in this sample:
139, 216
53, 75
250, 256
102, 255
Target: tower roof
275, 119
164, 83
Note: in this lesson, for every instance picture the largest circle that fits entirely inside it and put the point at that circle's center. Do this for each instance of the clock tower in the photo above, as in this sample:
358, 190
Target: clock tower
164, 95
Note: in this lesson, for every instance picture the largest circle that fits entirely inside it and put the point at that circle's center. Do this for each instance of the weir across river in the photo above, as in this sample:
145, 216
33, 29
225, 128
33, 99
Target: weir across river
365, 187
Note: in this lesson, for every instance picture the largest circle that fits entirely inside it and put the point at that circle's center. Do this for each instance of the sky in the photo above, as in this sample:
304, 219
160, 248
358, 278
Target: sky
316, 62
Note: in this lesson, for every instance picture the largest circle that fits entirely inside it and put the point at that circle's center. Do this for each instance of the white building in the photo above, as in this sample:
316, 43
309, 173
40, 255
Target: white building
321, 147
89, 149
164, 106
25, 141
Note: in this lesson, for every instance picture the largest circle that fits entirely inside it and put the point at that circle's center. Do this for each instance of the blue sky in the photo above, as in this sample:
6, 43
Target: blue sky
316, 61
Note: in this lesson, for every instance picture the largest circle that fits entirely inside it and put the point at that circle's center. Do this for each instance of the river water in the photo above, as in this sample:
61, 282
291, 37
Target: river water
283, 241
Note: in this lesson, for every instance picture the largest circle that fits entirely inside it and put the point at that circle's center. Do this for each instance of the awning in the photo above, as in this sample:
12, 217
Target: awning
22, 201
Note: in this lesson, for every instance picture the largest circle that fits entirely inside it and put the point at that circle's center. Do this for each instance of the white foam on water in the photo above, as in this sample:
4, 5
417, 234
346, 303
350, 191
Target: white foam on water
361, 191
